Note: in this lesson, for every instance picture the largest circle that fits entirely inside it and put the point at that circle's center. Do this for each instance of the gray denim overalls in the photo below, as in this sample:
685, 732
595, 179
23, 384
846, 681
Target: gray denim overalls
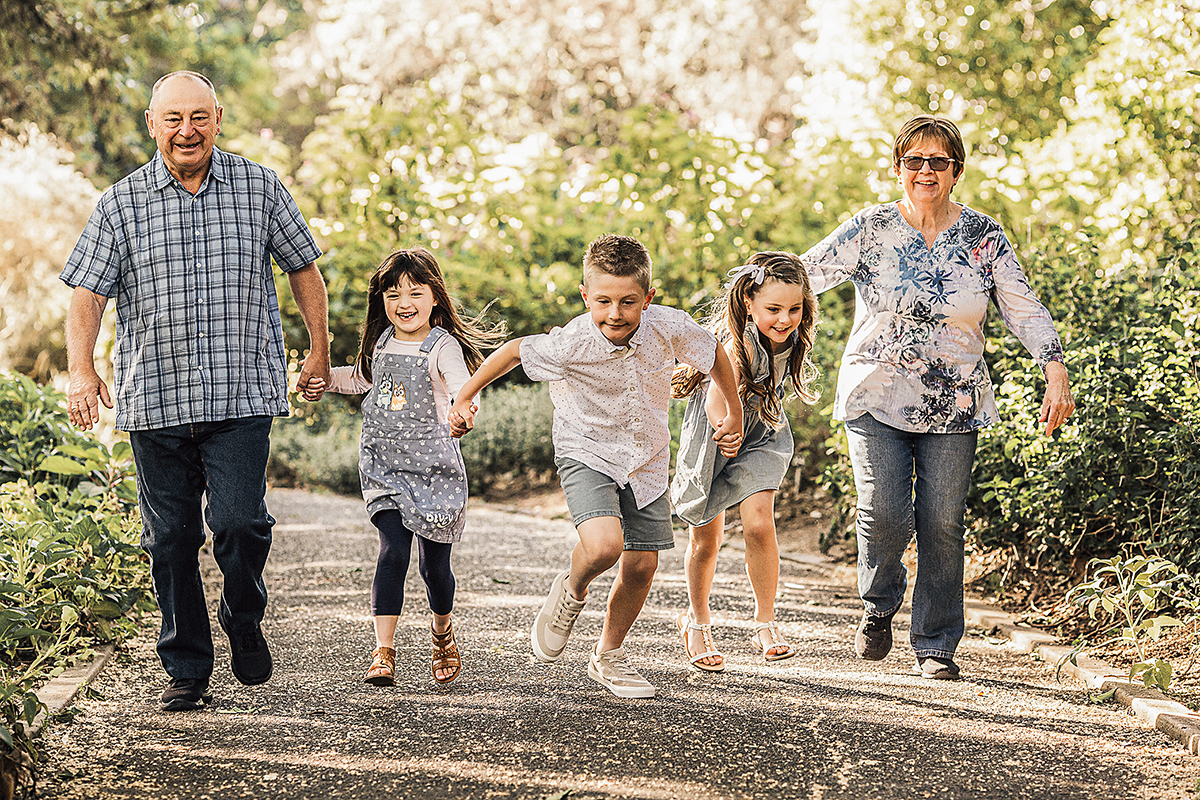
407, 458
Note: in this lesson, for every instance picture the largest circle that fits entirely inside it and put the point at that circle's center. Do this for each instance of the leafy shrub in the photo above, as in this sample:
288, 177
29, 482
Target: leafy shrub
317, 447
1125, 469
511, 441
33, 427
1134, 596
71, 571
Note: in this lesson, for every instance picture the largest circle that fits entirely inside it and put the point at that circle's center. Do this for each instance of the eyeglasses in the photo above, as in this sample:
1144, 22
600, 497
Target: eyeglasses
936, 163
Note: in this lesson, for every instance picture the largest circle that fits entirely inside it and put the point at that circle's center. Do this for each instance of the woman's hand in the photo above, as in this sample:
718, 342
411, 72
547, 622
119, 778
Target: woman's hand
1058, 404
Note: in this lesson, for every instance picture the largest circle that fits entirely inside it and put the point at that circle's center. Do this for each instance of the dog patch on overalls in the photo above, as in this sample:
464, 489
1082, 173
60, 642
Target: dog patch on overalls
391, 394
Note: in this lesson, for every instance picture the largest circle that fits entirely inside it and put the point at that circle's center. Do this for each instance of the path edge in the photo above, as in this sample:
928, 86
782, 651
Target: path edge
1178, 722
59, 692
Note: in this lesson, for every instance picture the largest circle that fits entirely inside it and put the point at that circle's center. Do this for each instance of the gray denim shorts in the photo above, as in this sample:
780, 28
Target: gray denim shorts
594, 494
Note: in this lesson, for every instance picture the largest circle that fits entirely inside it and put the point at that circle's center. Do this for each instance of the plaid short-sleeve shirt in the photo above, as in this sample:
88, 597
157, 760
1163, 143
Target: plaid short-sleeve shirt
199, 337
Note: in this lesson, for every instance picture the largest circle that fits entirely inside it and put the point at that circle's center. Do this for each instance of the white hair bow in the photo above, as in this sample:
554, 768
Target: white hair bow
756, 271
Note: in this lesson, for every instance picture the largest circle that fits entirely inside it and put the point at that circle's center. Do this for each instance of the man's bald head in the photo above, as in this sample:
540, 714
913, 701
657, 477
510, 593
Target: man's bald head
181, 74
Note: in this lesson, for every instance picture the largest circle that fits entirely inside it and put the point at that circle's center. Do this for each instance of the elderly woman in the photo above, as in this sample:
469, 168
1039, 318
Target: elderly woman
914, 391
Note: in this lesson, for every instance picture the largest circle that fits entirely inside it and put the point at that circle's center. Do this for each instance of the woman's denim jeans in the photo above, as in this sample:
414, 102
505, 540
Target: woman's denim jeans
225, 464
910, 482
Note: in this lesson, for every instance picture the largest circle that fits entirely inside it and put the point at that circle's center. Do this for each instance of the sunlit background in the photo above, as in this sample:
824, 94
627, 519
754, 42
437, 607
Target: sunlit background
505, 135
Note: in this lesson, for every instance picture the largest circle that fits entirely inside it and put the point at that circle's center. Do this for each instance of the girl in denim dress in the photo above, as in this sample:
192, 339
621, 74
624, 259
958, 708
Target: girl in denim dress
416, 353
766, 320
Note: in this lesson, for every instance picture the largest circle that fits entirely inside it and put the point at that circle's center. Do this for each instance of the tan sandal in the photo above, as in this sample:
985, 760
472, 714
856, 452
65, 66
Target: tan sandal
686, 624
774, 640
445, 655
382, 671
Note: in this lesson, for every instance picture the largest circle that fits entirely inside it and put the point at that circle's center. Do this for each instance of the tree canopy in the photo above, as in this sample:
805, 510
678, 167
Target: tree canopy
505, 135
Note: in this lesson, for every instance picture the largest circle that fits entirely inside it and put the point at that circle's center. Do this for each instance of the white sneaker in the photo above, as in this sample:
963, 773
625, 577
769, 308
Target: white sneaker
612, 669
553, 624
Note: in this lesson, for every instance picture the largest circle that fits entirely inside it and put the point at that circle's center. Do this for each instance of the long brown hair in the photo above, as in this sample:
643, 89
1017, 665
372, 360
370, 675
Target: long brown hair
420, 267
728, 317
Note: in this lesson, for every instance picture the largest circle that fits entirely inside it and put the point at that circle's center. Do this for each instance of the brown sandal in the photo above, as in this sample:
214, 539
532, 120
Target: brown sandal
445, 655
382, 671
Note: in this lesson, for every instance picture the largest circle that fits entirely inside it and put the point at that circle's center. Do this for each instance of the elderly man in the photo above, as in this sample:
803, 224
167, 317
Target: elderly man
185, 244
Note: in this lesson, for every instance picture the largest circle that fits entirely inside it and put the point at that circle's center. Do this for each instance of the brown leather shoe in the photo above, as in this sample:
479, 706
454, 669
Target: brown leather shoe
383, 667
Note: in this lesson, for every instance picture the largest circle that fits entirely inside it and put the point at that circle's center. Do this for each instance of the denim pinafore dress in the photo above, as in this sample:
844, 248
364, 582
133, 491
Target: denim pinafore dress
408, 460
706, 483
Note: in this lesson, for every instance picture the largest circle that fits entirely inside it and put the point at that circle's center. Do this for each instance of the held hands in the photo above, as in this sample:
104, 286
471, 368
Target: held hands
1058, 404
462, 418
314, 378
728, 435
313, 389
84, 395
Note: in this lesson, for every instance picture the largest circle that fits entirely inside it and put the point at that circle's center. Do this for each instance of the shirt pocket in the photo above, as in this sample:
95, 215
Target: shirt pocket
656, 386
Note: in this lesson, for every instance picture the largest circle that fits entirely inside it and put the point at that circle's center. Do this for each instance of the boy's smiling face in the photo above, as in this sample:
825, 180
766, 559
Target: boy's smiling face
616, 305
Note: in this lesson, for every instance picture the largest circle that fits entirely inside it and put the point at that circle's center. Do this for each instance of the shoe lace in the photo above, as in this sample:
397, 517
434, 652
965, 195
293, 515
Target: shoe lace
621, 666
565, 612
248, 643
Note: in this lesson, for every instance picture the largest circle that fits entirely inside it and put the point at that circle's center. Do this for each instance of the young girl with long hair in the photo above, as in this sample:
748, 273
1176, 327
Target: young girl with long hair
766, 319
416, 353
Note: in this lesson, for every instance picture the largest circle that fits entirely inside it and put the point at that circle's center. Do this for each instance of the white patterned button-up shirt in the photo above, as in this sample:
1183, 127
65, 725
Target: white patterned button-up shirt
610, 403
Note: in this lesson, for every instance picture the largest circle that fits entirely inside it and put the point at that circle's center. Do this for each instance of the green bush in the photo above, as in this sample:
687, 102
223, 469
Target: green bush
71, 571
511, 442
317, 447
1125, 469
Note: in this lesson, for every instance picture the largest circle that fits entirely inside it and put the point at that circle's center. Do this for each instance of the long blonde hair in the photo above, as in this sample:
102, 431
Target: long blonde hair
728, 317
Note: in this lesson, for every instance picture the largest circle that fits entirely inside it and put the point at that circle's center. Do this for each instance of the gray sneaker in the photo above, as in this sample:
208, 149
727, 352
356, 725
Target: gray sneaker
612, 669
553, 624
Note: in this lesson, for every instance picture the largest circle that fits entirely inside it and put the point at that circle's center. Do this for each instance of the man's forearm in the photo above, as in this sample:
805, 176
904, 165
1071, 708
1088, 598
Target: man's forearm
83, 328
308, 290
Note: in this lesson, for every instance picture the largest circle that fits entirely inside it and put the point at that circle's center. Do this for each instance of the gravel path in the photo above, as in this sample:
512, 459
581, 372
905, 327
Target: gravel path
821, 725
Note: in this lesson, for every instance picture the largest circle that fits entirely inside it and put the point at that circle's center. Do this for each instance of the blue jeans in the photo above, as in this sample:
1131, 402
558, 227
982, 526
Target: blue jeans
912, 482
225, 464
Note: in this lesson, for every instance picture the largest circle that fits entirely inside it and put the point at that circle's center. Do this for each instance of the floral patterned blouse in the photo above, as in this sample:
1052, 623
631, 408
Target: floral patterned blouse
914, 359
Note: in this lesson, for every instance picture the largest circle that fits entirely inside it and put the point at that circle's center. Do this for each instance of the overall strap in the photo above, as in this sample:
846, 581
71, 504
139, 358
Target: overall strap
381, 341
432, 339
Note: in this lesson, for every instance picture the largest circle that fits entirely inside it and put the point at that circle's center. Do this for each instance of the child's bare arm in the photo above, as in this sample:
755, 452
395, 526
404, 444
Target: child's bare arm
500, 362
728, 433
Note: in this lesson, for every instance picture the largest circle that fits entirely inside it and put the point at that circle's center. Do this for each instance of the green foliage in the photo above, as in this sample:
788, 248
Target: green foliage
317, 447
1126, 467
1009, 68
39, 443
1129, 592
71, 571
511, 440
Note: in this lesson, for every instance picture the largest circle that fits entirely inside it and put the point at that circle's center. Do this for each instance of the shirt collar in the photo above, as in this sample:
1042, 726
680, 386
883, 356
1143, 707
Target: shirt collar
601, 339
161, 176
